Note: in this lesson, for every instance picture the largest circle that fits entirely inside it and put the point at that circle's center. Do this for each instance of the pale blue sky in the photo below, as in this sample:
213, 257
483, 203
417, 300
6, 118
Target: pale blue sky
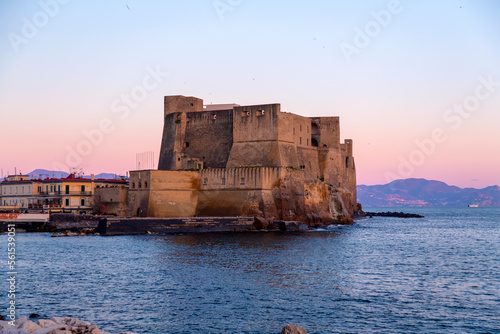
429, 56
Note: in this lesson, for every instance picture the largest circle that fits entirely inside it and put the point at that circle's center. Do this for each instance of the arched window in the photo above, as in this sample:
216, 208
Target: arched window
314, 142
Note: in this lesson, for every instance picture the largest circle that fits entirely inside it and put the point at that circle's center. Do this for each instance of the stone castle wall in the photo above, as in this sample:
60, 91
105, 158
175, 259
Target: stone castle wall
270, 192
248, 160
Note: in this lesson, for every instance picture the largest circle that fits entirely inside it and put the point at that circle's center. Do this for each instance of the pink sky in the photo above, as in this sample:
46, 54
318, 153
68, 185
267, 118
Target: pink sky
408, 83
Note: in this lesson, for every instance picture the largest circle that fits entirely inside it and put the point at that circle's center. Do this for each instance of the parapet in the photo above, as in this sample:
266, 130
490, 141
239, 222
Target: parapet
179, 103
348, 146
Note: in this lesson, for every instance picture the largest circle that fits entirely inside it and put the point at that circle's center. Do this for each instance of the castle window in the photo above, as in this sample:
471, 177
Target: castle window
260, 112
205, 181
242, 180
82, 202
314, 142
245, 113
300, 127
302, 167
307, 141
192, 104
178, 159
67, 201
145, 184
314, 129
300, 140
186, 144
133, 185
223, 181
140, 185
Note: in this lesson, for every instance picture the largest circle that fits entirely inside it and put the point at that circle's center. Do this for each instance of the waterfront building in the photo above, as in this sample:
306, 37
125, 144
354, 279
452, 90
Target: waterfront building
72, 194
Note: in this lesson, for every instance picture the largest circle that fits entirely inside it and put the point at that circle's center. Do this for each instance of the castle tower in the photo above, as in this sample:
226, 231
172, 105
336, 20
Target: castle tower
194, 136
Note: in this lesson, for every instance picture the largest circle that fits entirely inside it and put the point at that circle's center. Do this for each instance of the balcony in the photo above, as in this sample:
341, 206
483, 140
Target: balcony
71, 193
51, 206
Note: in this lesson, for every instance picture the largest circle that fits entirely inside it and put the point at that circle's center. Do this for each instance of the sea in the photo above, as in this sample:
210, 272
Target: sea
438, 274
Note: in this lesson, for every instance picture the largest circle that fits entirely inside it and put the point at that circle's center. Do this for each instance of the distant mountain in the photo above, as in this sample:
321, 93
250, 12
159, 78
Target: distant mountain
43, 173
426, 193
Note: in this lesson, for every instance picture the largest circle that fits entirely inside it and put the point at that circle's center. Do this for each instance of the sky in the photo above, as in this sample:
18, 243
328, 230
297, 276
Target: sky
416, 83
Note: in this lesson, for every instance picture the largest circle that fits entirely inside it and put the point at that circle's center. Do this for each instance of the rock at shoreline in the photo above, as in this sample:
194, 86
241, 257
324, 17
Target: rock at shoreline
56, 325
393, 214
81, 232
66, 325
293, 329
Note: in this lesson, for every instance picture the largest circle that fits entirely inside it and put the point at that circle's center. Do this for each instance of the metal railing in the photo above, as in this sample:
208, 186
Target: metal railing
50, 193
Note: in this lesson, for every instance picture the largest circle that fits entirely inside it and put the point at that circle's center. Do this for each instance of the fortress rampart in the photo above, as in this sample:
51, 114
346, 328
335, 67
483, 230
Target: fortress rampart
232, 160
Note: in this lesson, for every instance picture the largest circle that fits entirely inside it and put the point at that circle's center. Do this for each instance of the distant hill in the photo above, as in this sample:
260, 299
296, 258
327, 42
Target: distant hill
426, 193
43, 173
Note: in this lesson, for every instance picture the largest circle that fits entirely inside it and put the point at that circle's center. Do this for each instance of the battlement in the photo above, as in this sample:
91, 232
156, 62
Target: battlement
209, 117
241, 178
179, 103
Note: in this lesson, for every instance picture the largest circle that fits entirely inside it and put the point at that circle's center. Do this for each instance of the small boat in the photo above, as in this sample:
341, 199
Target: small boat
473, 206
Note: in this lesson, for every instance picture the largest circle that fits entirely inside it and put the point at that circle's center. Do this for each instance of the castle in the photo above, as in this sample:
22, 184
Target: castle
231, 160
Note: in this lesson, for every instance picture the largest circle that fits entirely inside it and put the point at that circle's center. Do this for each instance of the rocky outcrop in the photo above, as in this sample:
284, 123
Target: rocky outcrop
293, 329
393, 214
314, 202
55, 325
66, 325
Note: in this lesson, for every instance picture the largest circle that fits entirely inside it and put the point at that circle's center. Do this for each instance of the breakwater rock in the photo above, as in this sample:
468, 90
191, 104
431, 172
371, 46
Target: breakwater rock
55, 325
66, 325
293, 329
393, 214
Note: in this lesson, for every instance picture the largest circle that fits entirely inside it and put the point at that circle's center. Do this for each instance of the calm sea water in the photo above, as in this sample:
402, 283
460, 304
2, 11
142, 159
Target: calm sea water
440, 274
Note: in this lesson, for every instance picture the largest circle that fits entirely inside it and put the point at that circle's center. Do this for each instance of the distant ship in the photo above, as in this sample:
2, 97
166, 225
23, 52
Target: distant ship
473, 206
